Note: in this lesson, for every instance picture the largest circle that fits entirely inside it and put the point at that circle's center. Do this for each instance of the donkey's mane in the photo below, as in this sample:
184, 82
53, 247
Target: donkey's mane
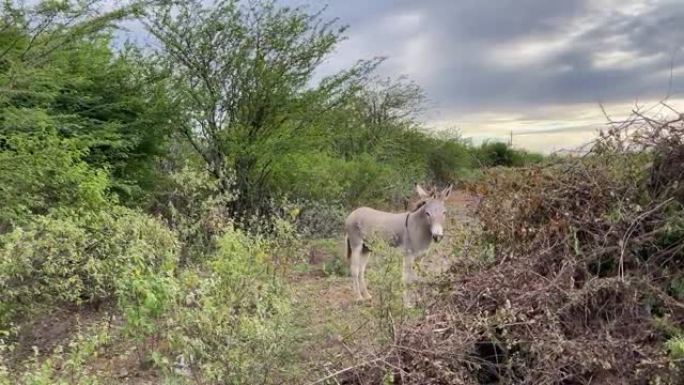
419, 205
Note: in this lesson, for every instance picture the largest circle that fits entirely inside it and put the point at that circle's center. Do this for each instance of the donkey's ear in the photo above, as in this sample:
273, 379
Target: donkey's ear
421, 193
446, 192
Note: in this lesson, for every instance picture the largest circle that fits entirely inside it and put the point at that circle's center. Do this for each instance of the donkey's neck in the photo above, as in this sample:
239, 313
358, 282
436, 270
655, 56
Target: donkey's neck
418, 230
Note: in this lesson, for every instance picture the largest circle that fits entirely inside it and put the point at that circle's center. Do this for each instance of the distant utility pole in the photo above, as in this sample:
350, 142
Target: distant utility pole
511, 140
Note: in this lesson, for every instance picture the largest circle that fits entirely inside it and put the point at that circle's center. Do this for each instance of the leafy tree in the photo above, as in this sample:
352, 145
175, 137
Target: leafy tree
56, 62
241, 73
388, 104
369, 148
375, 117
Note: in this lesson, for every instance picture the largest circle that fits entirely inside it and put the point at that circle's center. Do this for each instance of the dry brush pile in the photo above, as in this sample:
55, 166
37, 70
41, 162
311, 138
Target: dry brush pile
587, 283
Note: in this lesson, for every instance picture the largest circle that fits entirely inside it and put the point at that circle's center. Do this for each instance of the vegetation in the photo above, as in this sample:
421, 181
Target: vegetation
233, 322
85, 258
172, 214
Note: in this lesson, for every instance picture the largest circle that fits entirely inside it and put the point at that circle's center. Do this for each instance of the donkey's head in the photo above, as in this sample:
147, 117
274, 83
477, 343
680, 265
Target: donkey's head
434, 210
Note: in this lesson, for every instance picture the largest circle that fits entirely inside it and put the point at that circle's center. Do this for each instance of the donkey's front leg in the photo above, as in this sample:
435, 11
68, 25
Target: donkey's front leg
408, 277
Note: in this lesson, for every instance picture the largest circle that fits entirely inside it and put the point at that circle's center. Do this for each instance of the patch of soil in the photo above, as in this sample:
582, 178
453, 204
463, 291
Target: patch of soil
318, 256
116, 363
57, 327
120, 364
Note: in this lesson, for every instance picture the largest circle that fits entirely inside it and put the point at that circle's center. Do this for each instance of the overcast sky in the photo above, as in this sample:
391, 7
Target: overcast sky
489, 67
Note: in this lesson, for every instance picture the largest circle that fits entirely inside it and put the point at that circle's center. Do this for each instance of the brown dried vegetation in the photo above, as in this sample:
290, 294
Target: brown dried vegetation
582, 285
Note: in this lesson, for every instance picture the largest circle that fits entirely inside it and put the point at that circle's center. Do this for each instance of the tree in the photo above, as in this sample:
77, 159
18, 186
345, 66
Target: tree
241, 73
390, 102
59, 74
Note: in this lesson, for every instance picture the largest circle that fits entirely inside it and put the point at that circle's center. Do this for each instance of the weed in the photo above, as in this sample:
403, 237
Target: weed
337, 266
675, 346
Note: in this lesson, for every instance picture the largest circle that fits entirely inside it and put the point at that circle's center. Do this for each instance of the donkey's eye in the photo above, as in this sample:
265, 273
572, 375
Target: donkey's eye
427, 213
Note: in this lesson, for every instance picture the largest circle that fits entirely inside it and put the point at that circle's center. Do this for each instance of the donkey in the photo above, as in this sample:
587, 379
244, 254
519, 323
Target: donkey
411, 231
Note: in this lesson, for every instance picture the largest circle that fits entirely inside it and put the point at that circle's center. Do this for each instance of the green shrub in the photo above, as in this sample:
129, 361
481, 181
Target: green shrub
449, 161
493, 154
675, 346
80, 259
40, 174
522, 158
363, 179
337, 266
66, 365
196, 209
310, 176
385, 283
283, 242
234, 323
318, 219
144, 299
369, 182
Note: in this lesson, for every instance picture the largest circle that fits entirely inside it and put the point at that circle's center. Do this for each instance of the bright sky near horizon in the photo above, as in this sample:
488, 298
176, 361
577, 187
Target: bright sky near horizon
538, 68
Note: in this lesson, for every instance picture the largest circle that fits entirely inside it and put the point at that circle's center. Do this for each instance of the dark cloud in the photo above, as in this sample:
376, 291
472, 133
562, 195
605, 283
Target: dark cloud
473, 54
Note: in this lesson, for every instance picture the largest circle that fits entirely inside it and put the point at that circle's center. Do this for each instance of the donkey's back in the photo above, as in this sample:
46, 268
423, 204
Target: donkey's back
365, 221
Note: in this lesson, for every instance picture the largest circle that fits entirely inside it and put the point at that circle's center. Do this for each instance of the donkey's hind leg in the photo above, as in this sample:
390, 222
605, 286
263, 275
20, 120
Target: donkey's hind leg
365, 254
355, 267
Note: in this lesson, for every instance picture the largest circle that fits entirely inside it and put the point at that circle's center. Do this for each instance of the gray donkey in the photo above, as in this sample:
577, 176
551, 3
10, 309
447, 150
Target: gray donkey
411, 231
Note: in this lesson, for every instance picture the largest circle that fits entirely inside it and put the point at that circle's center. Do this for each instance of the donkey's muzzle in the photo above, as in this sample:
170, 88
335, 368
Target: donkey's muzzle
437, 238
